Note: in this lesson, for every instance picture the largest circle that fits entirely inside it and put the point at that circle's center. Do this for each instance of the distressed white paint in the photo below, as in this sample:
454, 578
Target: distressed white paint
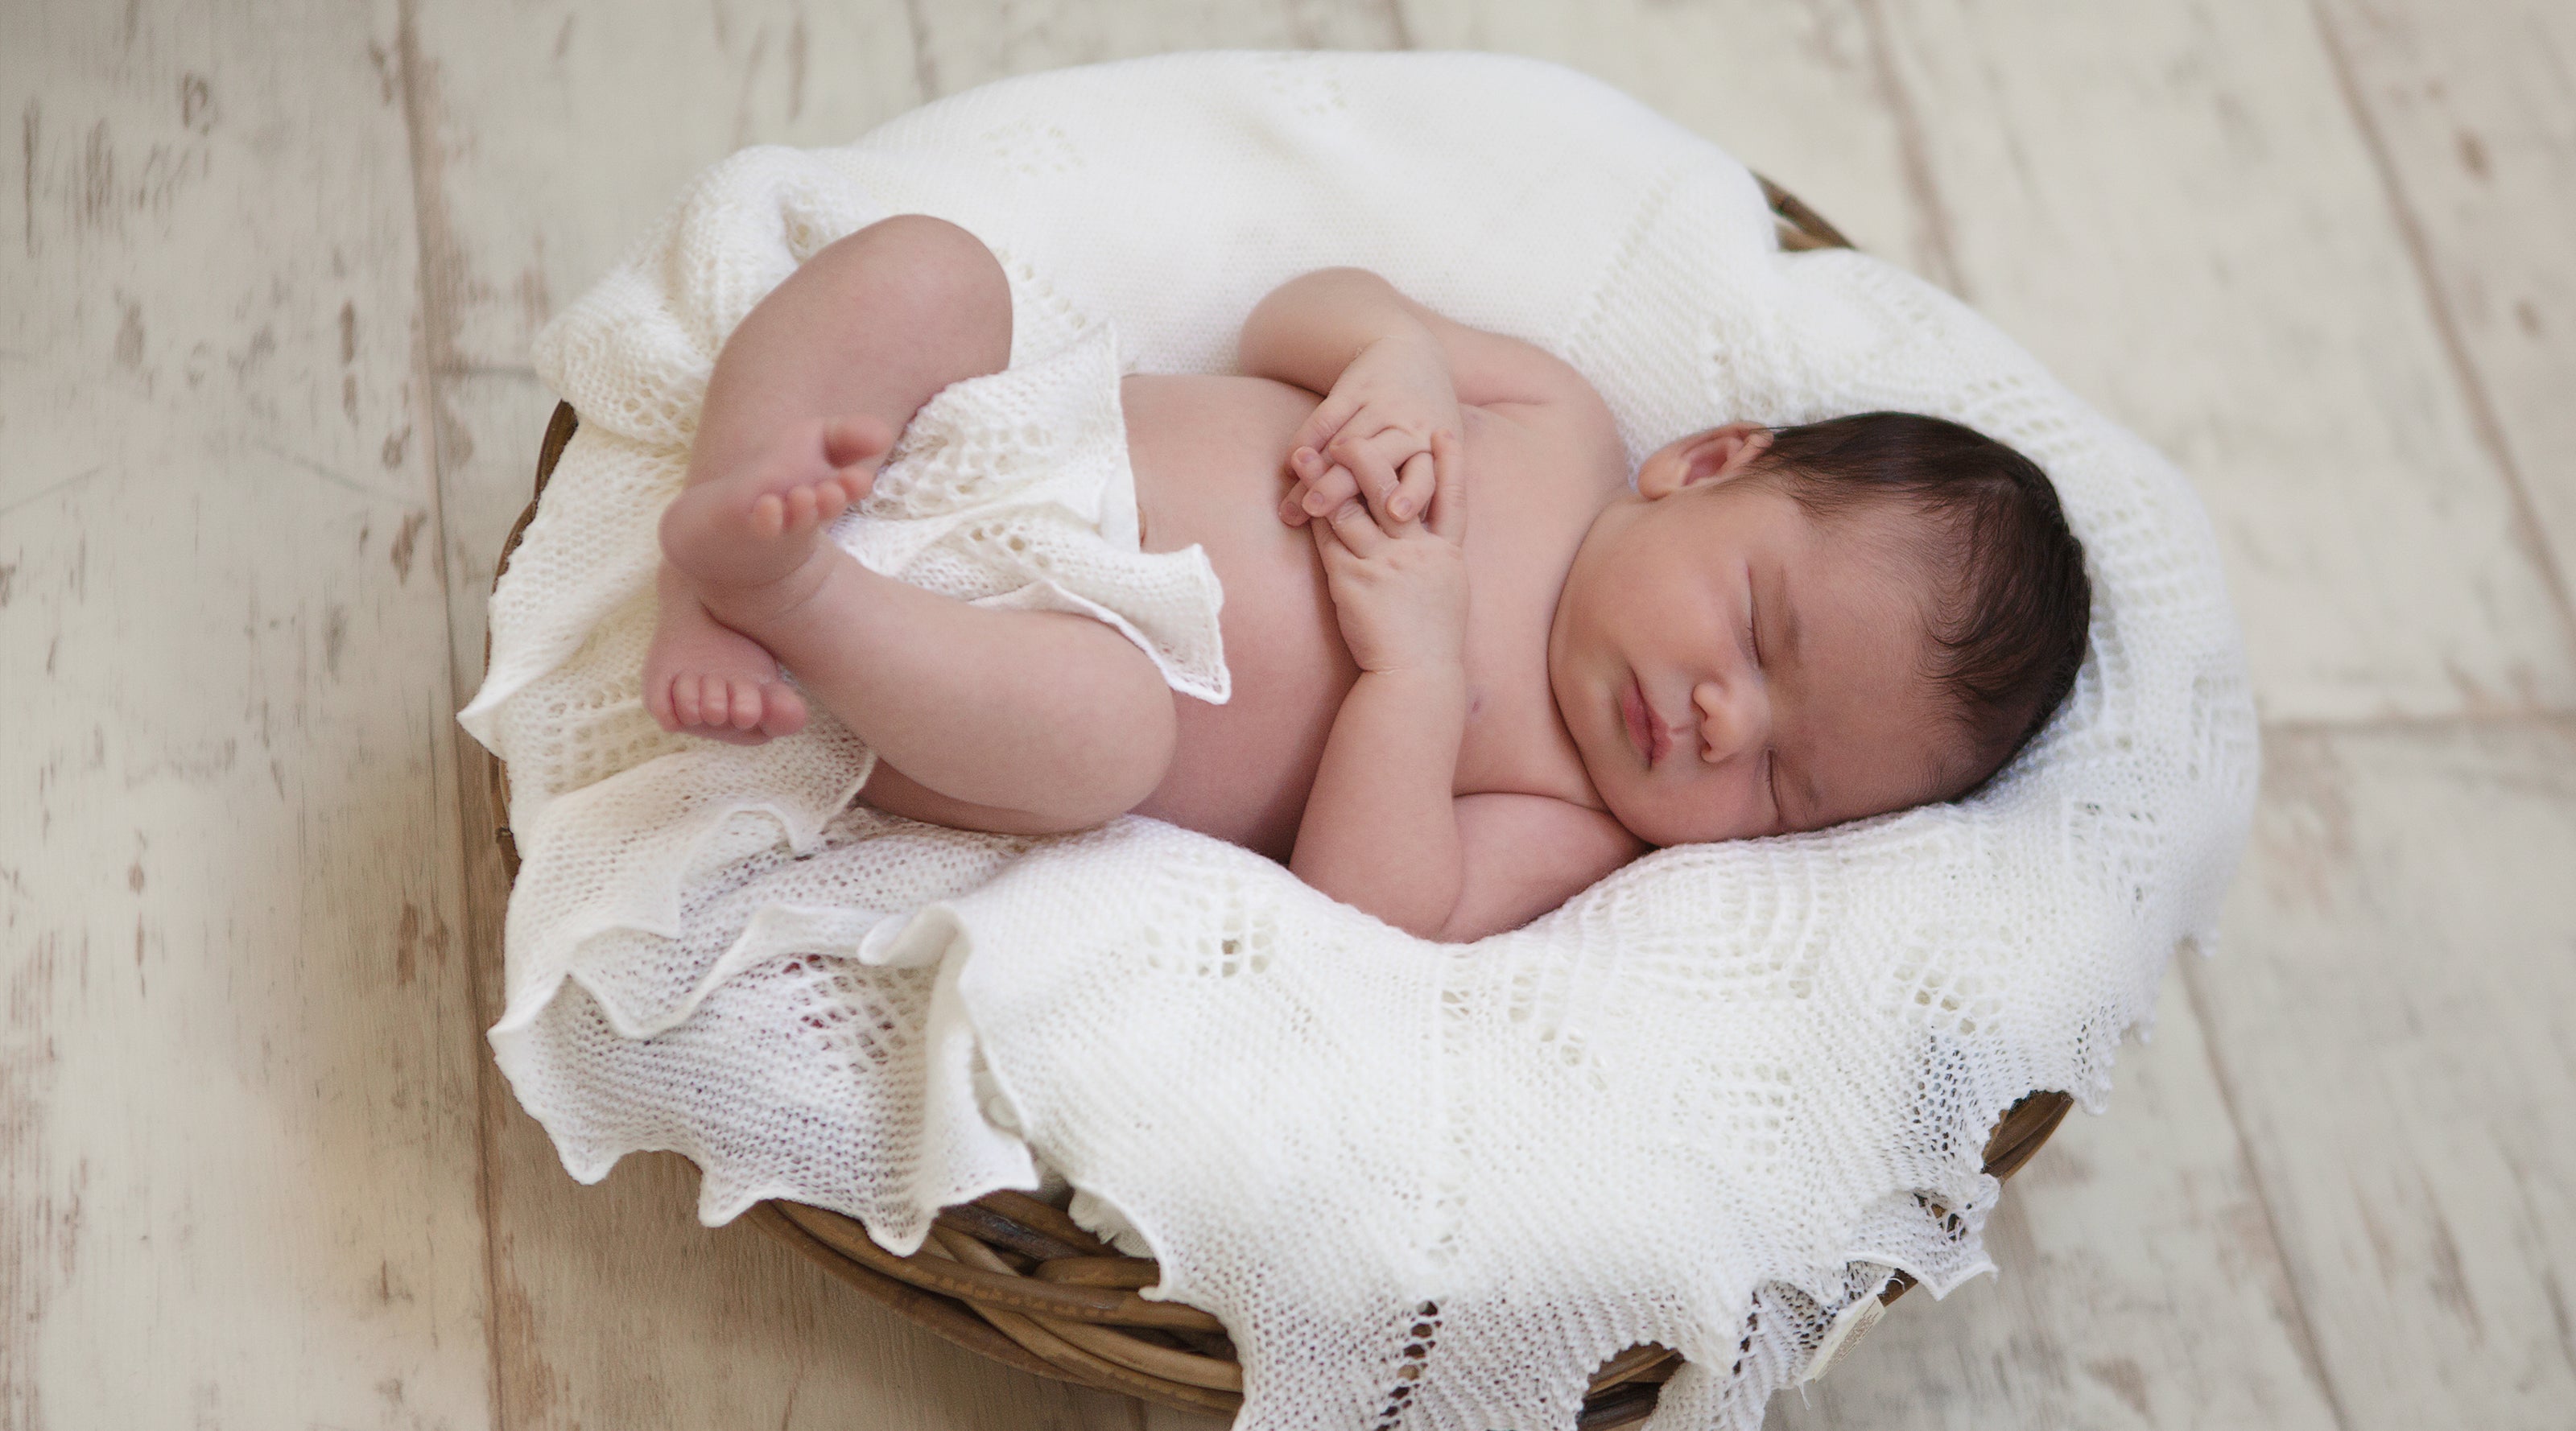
2471, 112
2394, 1023
238, 1158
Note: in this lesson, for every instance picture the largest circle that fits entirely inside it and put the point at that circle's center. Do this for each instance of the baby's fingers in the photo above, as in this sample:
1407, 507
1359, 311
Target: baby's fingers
1416, 481
1324, 423
1376, 479
1357, 530
1448, 519
1325, 485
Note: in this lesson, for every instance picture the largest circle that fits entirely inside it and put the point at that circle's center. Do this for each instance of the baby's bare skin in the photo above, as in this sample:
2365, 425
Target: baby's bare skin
1454, 733
1207, 453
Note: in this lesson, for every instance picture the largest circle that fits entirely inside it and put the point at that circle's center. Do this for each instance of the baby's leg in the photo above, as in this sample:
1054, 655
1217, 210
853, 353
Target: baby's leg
1021, 722
807, 396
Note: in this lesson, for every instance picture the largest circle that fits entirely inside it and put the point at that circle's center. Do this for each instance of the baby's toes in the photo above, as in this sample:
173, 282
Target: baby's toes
722, 698
769, 516
684, 702
856, 446
746, 704
711, 700
782, 710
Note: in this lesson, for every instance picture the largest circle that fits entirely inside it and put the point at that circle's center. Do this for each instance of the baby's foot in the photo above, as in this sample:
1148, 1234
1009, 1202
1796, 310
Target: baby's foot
756, 526
709, 680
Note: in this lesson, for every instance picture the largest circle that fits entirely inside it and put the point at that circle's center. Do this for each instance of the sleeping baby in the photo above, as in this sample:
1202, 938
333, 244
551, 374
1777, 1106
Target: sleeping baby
1475, 666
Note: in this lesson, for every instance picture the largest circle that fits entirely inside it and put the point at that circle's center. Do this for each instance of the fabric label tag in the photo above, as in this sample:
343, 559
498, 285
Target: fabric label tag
1844, 1334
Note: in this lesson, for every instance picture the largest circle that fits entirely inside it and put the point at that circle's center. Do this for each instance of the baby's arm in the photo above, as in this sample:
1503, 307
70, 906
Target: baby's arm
1380, 829
1383, 827
1525, 855
1392, 372
1311, 327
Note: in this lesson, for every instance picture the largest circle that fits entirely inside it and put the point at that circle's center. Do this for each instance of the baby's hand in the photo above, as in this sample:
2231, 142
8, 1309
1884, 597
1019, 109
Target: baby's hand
1401, 592
1363, 439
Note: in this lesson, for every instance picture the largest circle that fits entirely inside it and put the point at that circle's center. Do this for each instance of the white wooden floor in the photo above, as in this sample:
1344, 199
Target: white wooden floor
268, 273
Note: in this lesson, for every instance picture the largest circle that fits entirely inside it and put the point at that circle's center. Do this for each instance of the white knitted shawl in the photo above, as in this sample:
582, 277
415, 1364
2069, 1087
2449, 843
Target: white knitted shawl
1707, 1103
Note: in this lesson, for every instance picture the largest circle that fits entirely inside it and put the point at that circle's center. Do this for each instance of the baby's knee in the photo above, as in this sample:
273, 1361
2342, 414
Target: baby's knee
938, 269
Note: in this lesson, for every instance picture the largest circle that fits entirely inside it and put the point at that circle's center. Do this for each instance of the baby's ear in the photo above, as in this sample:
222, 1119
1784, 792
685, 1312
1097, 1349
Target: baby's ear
1719, 454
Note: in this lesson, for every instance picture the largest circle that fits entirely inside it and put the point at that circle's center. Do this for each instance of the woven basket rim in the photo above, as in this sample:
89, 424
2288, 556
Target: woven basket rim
1015, 1279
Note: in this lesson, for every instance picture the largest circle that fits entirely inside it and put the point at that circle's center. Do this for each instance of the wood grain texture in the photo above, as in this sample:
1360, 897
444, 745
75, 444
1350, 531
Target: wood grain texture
551, 135
972, 42
237, 1159
2470, 113
2391, 1020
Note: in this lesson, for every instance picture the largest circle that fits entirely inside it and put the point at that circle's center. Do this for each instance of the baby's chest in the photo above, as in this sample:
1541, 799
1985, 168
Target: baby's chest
1209, 456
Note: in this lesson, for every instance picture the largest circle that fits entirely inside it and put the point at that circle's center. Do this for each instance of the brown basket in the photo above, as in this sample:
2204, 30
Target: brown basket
1016, 1279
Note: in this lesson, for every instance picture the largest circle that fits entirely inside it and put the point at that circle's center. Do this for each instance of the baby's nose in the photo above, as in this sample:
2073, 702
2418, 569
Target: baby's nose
1733, 718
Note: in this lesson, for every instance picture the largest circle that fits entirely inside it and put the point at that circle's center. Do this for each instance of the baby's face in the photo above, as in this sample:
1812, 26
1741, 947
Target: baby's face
1730, 665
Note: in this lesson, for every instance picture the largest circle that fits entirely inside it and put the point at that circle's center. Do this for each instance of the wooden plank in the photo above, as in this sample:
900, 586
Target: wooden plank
548, 136
973, 42
2141, 1285
237, 1112
1801, 93
2391, 1022
552, 134
2170, 205
2470, 114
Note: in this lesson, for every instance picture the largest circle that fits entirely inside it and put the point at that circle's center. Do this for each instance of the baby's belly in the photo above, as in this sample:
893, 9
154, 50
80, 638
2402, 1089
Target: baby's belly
1210, 455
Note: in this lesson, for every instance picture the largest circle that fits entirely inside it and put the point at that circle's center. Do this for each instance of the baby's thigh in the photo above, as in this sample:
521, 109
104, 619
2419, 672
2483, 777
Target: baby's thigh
896, 793
1014, 722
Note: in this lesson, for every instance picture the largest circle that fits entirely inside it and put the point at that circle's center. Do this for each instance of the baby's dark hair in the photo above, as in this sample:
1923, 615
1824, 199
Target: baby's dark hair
2010, 631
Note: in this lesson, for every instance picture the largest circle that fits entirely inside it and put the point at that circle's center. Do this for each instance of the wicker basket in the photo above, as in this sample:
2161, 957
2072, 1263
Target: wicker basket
1014, 1278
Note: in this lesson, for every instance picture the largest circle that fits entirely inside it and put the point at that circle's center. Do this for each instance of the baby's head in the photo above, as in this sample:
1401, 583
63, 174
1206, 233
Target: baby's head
1783, 629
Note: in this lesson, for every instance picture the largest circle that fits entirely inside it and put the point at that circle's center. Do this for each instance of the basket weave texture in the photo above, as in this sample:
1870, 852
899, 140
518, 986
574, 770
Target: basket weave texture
1016, 1279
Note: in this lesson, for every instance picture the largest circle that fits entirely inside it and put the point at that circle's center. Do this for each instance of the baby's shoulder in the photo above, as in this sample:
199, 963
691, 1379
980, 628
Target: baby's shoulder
1565, 439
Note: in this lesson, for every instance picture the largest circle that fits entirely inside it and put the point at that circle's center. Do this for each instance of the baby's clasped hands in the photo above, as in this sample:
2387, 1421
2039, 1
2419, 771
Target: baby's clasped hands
1371, 436
1400, 591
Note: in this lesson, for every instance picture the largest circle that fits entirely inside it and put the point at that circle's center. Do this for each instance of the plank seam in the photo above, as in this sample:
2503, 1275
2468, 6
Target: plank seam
2302, 1329
2527, 530
435, 258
